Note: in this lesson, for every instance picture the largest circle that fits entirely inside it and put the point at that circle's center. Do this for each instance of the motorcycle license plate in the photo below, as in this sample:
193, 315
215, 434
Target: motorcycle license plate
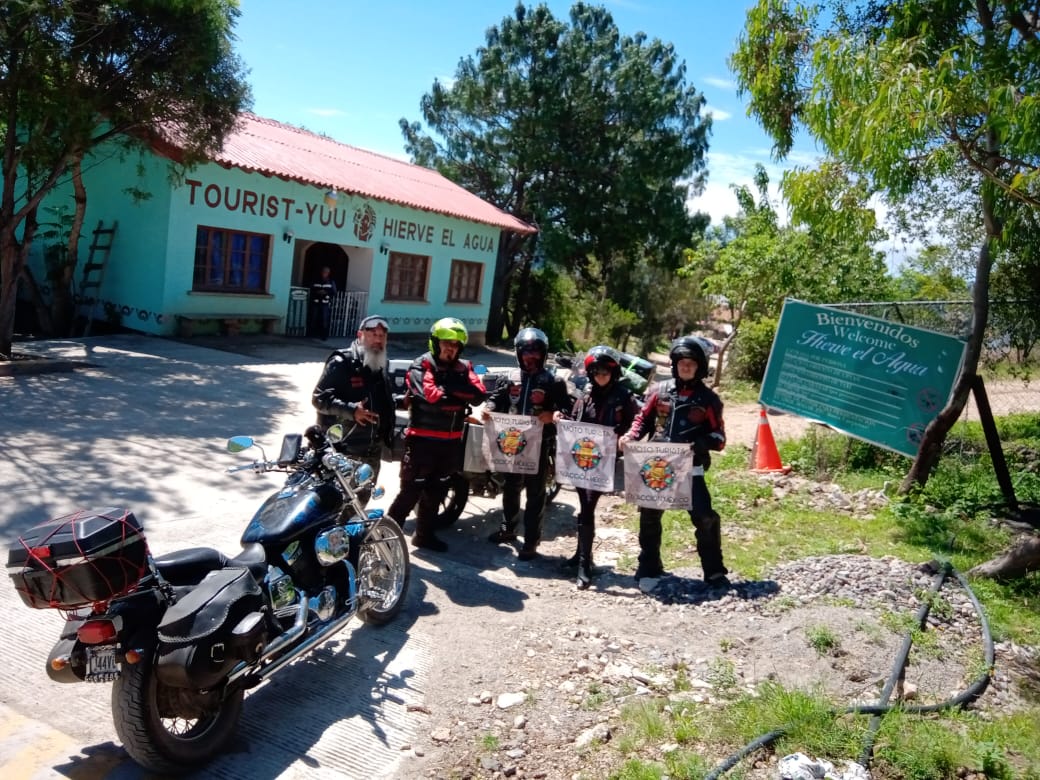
101, 662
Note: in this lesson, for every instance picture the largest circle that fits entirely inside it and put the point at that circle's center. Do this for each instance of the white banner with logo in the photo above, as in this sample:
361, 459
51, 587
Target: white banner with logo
473, 459
659, 476
512, 443
585, 455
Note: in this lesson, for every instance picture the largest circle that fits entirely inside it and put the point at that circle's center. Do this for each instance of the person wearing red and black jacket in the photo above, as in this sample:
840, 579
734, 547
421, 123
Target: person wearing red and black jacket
684, 410
441, 389
534, 391
606, 401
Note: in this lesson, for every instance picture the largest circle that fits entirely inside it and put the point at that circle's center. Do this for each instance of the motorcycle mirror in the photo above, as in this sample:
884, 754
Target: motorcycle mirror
239, 443
335, 433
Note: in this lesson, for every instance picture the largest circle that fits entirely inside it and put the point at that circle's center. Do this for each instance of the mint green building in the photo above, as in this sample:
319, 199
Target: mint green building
236, 244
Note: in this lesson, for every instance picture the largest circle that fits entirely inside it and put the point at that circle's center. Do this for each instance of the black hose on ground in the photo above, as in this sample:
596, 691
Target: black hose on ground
899, 668
970, 694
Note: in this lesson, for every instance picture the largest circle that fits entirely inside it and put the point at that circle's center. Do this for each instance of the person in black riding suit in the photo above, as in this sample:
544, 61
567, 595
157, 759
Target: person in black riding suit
441, 389
322, 293
355, 389
684, 410
605, 401
532, 390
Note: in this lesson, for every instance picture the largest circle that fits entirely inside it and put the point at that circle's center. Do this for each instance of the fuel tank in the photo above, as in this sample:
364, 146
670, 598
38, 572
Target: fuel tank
291, 511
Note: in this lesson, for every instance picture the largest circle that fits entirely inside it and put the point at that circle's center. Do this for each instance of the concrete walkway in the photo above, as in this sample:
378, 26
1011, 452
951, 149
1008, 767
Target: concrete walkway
142, 422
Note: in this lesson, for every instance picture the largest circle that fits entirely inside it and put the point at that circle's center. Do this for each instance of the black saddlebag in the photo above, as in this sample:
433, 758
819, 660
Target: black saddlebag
79, 559
205, 634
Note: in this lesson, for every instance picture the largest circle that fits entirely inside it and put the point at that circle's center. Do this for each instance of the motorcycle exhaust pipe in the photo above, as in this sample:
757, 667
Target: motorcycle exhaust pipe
257, 676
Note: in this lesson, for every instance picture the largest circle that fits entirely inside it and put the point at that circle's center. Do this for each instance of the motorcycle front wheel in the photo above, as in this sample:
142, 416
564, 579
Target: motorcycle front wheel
171, 730
383, 573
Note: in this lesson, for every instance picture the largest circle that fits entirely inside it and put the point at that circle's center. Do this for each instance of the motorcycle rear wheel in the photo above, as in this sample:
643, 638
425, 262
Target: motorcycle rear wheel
383, 573
170, 730
454, 502
552, 487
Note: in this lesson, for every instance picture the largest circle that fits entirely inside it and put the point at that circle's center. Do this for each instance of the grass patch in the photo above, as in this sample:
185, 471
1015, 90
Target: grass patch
764, 524
823, 640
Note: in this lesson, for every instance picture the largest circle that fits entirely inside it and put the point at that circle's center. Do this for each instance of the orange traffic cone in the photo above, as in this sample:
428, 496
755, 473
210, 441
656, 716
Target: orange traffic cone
765, 459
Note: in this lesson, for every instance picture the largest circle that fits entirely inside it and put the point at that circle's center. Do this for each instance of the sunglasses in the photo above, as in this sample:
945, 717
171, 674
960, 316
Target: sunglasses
372, 322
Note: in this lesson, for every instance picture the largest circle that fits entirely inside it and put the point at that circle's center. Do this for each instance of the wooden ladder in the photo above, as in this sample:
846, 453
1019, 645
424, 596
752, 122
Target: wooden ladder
94, 271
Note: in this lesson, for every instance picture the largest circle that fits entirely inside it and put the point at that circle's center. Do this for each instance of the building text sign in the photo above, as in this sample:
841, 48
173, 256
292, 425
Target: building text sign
252, 203
873, 379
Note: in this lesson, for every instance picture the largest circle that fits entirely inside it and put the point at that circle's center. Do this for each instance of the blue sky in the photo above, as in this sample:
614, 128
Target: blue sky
352, 69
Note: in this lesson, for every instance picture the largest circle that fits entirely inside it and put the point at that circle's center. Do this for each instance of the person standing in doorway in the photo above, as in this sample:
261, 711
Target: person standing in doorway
322, 293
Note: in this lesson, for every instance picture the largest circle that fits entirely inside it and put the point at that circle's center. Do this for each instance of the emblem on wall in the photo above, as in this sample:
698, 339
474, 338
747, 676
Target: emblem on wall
364, 222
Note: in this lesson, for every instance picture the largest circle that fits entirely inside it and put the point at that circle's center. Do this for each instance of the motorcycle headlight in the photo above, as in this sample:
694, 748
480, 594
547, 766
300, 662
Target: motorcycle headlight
332, 545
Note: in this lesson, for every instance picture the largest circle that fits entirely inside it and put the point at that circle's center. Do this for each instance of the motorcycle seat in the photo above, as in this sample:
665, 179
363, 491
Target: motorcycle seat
188, 567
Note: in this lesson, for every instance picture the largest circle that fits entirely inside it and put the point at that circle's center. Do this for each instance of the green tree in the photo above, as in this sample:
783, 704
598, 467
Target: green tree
590, 135
930, 276
752, 263
909, 95
75, 74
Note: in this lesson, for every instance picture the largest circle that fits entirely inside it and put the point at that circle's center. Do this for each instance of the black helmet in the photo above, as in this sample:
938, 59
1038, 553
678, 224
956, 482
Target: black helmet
690, 347
531, 339
447, 329
604, 357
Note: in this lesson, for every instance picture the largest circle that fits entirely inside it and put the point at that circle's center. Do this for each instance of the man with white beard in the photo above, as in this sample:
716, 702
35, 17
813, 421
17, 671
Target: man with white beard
355, 390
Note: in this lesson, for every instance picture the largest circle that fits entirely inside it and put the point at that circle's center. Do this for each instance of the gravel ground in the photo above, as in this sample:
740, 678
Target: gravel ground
537, 692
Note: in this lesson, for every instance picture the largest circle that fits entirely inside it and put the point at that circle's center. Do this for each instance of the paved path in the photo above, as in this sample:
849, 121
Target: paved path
142, 423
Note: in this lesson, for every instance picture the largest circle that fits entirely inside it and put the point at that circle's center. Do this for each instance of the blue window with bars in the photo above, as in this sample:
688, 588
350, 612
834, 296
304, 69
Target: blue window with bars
231, 261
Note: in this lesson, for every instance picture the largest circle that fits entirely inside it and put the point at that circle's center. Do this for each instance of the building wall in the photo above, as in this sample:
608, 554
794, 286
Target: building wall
149, 276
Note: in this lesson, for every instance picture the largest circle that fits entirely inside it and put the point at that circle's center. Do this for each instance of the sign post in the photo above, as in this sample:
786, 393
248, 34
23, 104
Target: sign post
879, 381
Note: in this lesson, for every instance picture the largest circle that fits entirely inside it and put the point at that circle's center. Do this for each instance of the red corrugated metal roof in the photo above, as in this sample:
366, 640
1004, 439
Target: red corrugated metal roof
275, 149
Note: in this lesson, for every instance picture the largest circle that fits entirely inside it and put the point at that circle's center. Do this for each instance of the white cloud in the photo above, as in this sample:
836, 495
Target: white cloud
326, 112
719, 115
715, 81
726, 170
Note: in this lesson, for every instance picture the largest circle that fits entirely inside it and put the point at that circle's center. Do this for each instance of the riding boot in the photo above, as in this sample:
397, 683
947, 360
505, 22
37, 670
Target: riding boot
571, 562
650, 564
586, 535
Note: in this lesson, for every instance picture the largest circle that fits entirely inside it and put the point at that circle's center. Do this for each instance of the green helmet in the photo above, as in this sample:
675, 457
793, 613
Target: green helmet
447, 329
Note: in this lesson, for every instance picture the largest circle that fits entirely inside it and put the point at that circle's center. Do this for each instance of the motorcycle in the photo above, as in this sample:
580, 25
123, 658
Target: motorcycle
183, 636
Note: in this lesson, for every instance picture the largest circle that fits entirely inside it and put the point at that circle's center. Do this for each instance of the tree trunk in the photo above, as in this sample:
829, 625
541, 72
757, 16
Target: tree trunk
13, 256
505, 266
62, 303
935, 434
43, 311
736, 317
720, 359
1021, 559
10, 270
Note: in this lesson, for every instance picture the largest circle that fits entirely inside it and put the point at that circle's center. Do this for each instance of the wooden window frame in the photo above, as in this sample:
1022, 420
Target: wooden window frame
214, 245
407, 277
462, 288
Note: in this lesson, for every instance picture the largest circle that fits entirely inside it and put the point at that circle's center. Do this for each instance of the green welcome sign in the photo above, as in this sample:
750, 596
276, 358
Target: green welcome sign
873, 379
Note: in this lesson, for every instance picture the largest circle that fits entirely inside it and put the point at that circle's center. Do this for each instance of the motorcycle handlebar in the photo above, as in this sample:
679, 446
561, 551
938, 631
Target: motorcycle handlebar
259, 466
